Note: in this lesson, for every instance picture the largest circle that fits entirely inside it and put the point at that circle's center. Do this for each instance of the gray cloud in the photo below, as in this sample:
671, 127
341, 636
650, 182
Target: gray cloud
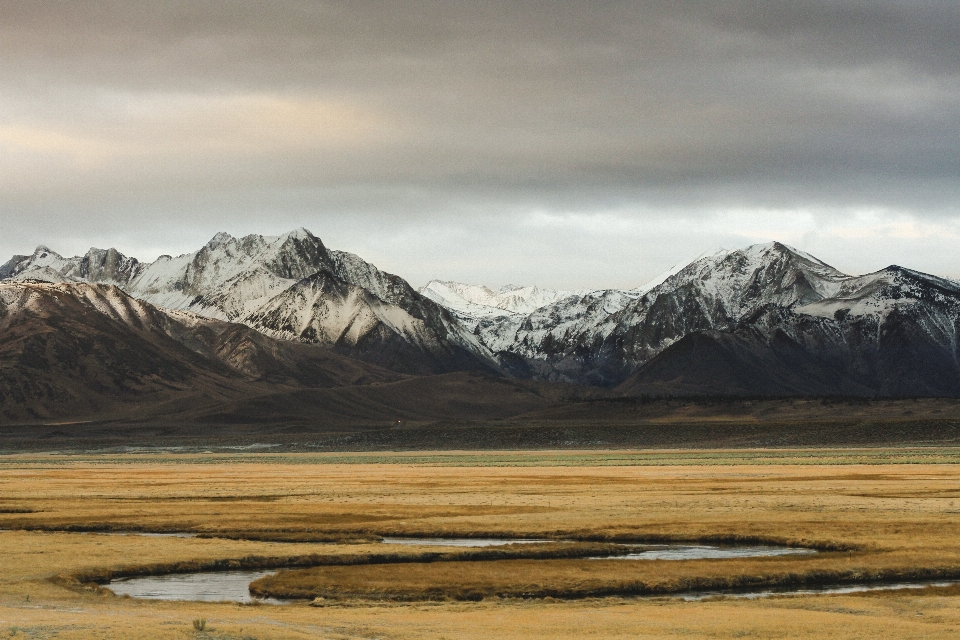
669, 127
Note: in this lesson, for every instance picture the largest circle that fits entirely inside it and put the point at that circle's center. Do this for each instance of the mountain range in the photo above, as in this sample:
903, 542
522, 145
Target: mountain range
265, 316
288, 287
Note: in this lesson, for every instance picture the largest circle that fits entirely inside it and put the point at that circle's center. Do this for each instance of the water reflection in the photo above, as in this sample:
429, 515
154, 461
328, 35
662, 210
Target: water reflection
812, 591
210, 586
704, 552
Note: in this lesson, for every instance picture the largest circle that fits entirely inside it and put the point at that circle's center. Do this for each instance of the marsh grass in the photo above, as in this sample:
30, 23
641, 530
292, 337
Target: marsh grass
295, 536
577, 578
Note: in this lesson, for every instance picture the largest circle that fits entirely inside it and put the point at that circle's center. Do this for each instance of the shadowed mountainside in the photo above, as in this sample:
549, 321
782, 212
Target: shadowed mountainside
84, 352
896, 334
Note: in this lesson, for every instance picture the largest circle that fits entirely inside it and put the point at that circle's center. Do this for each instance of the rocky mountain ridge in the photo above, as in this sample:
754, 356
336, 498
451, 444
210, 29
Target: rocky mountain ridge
764, 319
771, 290
259, 281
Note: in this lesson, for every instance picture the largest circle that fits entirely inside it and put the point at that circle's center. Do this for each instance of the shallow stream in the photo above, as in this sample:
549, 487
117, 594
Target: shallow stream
705, 552
233, 586
211, 586
821, 590
463, 542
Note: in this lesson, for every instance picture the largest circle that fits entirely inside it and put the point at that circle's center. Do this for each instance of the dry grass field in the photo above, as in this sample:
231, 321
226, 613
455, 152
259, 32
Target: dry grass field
884, 513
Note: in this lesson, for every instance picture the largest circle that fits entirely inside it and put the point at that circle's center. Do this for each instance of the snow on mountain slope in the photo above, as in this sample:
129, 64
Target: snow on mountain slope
294, 288
386, 286
895, 332
327, 310
229, 277
881, 292
42, 258
471, 301
672, 271
45, 298
476, 302
41, 274
534, 334
589, 341
739, 281
264, 282
223, 279
98, 265
713, 291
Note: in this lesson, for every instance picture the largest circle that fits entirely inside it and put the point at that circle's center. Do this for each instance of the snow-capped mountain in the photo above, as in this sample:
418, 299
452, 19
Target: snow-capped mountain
226, 279
477, 301
289, 286
893, 332
767, 318
603, 337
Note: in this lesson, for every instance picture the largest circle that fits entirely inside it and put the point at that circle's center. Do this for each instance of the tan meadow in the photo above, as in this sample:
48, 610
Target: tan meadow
884, 514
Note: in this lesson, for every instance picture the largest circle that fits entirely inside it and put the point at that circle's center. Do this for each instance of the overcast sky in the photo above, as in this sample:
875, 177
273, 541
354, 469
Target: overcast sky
568, 144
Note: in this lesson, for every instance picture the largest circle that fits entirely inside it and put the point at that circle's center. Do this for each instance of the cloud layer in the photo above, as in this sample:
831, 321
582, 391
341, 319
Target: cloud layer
573, 144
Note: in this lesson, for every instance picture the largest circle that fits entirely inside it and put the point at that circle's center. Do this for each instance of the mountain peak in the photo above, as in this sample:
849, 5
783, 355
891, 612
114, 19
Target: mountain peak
300, 233
781, 250
94, 252
221, 238
760, 250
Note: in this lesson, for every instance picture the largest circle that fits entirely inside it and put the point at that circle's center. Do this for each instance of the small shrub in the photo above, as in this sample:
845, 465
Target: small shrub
200, 624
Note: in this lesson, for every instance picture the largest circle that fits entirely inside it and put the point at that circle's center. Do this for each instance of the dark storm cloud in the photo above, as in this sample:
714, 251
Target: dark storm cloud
393, 112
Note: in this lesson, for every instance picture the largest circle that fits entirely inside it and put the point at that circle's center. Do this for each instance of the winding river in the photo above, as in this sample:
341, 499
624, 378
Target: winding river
233, 586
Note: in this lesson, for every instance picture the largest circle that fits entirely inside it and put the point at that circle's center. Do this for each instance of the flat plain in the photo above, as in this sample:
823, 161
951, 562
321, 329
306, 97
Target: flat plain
875, 514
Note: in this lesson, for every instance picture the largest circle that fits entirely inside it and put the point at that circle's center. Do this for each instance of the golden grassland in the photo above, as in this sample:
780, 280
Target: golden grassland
888, 510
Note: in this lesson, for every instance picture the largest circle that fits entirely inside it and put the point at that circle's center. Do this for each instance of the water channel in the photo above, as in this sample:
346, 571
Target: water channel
211, 586
142, 534
811, 591
705, 552
463, 542
233, 586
